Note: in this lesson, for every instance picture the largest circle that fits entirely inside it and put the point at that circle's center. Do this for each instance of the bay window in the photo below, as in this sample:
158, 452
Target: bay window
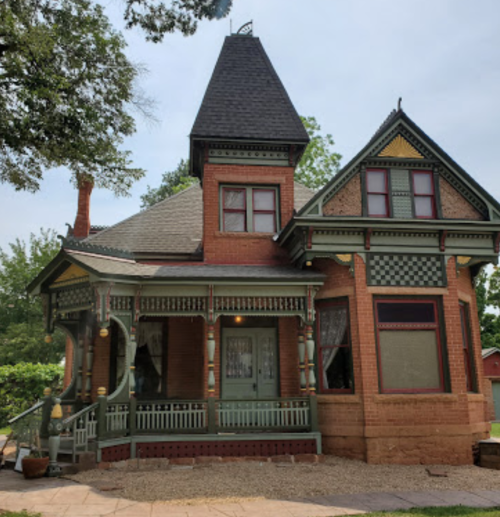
409, 346
334, 349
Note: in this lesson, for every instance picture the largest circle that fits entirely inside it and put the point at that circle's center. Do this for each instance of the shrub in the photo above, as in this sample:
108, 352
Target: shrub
22, 385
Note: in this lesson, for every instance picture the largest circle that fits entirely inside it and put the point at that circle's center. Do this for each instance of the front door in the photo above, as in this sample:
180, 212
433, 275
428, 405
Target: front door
249, 363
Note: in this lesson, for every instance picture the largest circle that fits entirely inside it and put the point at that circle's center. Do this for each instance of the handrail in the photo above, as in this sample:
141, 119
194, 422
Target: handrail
32, 409
80, 413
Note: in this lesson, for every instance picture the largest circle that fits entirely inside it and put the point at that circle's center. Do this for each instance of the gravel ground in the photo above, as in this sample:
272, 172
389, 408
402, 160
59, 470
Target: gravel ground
233, 482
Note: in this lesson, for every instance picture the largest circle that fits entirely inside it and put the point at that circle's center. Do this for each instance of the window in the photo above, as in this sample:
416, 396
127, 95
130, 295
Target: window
334, 349
466, 343
249, 209
409, 346
377, 188
150, 367
423, 194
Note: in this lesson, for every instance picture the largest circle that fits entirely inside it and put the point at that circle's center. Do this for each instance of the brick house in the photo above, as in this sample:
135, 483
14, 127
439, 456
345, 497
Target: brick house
251, 316
491, 368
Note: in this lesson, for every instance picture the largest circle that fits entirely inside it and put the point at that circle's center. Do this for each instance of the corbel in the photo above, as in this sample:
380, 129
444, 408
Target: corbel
103, 303
310, 232
345, 259
368, 235
291, 155
497, 242
137, 305
442, 240
461, 261
211, 318
205, 152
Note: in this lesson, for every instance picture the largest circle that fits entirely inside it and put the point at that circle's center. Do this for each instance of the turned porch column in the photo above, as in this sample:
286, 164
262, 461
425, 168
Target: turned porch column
310, 359
302, 362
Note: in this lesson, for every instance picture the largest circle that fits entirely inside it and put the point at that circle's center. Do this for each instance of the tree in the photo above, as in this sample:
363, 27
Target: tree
172, 182
66, 89
319, 163
488, 295
21, 316
158, 18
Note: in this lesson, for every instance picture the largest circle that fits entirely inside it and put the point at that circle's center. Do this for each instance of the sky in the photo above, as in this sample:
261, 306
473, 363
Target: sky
346, 62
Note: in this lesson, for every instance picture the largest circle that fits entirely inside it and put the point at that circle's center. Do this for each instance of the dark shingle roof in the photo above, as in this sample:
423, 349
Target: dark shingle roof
246, 99
122, 267
172, 226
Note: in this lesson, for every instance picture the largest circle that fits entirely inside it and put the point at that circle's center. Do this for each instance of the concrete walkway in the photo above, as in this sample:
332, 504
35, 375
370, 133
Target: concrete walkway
57, 497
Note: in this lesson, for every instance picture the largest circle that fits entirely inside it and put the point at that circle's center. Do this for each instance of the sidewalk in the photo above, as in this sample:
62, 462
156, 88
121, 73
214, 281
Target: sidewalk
57, 497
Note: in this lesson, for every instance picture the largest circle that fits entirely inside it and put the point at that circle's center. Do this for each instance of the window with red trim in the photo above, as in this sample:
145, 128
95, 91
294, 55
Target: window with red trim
409, 346
423, 195
249, 209
467, 349
334, 349
377, 190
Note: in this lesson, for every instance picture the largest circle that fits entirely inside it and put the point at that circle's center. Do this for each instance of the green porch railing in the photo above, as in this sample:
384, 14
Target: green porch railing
79, 430
281, 414
171, 416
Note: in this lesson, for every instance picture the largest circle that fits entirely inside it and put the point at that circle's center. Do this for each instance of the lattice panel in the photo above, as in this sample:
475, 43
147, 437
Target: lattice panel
400, 180
116, 453
402, 205
120, 303
406, 271
81, 297
238, 448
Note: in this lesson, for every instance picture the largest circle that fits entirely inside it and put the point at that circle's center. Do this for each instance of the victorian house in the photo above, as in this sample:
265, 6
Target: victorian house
251, 316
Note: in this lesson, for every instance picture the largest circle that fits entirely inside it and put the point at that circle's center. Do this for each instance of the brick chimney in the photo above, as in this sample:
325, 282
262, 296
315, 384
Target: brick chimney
82, 221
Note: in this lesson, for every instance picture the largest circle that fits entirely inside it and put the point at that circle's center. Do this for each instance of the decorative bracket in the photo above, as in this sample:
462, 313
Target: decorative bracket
345, 259
310, 232
497, 243
137, 305
368, 235
442, 240
211, 304
103, 302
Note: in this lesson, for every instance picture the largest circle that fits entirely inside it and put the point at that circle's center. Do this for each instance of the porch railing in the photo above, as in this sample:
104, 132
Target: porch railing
289, 414
117, 419
175, 416
78, 430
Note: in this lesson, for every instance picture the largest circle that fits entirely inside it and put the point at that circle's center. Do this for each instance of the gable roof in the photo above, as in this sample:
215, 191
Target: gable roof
246, 99
486, 352
395, 121
173, 226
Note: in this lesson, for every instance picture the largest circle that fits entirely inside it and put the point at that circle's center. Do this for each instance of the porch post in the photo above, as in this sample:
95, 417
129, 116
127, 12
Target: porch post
302, 364
310, 357
211, 378
89, 364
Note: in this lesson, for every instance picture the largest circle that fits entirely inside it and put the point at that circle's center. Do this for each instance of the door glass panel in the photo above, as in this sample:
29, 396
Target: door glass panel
239, 358
268, 358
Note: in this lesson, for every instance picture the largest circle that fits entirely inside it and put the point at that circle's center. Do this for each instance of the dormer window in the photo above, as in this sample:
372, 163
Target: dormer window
249, 209
377, 189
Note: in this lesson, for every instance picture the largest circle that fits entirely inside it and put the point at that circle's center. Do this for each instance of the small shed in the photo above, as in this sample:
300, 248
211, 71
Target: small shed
491, 364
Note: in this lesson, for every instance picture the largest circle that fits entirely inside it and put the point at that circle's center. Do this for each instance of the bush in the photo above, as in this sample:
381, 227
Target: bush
22, 385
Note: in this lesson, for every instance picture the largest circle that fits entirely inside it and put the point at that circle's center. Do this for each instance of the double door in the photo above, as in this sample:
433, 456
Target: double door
249, 363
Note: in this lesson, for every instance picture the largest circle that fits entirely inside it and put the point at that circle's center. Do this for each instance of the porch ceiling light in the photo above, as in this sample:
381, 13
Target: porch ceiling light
238, 319
48, 339
104, 332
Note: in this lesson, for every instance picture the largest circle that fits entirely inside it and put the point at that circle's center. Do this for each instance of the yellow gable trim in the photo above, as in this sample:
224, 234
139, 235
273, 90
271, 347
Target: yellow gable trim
400, 148
72, 274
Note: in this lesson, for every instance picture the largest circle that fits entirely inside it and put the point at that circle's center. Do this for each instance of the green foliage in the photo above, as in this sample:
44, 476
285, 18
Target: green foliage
488, 295
158, 18
66, 87
319, 163
21, 316
22, 385
172, 182
23, 513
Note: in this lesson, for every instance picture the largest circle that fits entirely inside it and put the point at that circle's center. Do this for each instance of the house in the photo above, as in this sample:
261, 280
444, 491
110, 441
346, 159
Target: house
250, 316
491, 367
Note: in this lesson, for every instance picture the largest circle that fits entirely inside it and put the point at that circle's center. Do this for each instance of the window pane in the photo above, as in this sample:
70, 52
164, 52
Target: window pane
423, 206
149, 359
264, 223
234, 199
239, 358
333, 325
377, 205
422, 183
268, 358
336, 366
409, 359
263, 200
376, 181
234, 222
406, 312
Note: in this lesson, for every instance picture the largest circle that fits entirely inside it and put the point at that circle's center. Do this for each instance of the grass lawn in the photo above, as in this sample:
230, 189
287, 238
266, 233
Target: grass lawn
4, 430
495, 430
445, 511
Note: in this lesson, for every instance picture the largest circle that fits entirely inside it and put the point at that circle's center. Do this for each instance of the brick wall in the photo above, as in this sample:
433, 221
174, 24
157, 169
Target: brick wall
102, 354
347, 201
68, 364
491, 365
186, 345
454, 205
289, 357
236, 247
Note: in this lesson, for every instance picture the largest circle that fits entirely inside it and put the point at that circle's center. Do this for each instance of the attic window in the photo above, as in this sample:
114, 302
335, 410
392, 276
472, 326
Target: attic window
249, 209
423, 192
377, 189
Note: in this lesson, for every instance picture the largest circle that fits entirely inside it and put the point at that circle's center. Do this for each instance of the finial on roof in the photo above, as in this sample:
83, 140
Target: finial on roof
400, 100
246, 30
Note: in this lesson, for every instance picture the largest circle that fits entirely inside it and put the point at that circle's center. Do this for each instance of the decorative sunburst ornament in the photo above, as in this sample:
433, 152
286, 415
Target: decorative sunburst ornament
247, 29
400, 148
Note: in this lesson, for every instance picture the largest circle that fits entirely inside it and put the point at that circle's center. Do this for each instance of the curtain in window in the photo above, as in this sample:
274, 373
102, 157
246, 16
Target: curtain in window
333, 324
239, 358
150, 335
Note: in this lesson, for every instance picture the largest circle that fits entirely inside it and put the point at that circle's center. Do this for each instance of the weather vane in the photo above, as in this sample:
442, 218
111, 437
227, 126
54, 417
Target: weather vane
247, 29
